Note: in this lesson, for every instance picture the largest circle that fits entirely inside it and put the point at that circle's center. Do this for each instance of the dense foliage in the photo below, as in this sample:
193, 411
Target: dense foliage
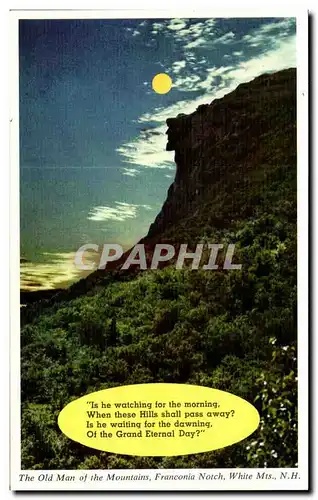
188, 326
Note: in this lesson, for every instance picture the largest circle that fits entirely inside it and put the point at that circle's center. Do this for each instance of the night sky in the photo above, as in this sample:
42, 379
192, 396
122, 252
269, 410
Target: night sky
93, 165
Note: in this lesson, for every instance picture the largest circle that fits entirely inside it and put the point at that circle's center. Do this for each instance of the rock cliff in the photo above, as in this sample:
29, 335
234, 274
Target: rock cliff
225, 151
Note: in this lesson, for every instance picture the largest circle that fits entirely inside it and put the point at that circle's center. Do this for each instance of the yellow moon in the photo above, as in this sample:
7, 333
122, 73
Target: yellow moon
161, 83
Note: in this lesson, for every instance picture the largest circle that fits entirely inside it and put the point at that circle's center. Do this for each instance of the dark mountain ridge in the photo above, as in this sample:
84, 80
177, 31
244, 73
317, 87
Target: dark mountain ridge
220, 148
236, 182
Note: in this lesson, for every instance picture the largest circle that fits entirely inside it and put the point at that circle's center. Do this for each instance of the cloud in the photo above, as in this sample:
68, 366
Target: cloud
158, 27
192, 73
148, 150
211, 75
120, 212
178, 66
176, 24
268, 33
192, 38
132, 172
205, 41
226, 38
183, 34
188, 83
59, 272
198, 42
281, 56
200, 29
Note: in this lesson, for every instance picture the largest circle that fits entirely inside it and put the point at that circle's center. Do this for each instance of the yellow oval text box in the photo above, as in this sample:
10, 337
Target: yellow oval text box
158, 419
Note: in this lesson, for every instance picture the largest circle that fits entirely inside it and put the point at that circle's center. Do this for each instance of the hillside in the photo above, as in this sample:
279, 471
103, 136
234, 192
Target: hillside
233, 330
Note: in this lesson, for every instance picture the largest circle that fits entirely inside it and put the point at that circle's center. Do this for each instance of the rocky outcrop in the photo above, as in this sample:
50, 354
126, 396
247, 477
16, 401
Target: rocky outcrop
229, 145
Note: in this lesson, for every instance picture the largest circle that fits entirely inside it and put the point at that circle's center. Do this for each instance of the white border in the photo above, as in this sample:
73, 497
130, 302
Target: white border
157, 13
302, 145
302, 240
14, 245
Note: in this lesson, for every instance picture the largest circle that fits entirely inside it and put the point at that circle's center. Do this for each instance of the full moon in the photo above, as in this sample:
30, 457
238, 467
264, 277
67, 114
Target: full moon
161, 83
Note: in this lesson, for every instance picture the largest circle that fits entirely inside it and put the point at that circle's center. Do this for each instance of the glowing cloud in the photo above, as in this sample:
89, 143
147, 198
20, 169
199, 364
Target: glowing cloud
120, 212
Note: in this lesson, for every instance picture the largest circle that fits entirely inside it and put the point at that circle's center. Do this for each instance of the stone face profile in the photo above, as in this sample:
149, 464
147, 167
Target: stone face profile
227, 147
